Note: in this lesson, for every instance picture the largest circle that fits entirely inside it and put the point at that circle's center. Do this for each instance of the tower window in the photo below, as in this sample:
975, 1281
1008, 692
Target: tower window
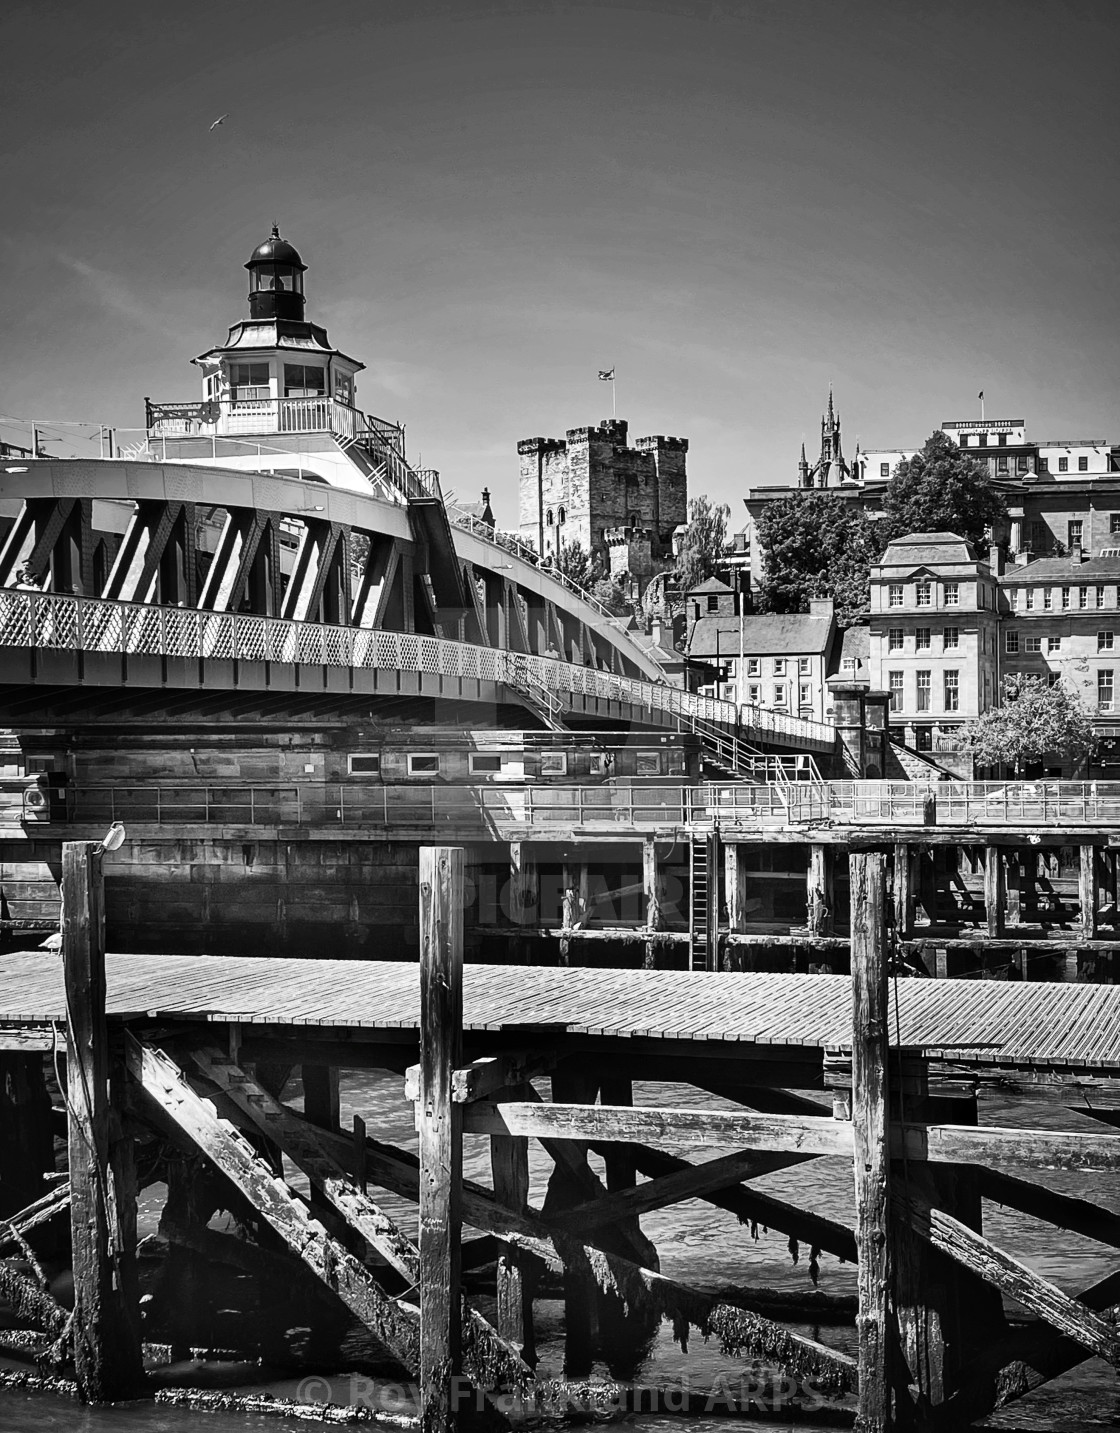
304, 381
549, 519
276, 280
249, 380
561, 516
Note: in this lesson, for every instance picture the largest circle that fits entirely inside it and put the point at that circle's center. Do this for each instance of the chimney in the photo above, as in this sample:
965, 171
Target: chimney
655, 631
820, 607
995, 559
1075, 555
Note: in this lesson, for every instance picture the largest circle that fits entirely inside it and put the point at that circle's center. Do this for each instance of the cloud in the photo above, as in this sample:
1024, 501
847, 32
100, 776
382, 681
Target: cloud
114, 294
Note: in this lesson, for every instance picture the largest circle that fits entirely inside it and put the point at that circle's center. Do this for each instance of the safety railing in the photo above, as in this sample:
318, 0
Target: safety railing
52, 621
589, 809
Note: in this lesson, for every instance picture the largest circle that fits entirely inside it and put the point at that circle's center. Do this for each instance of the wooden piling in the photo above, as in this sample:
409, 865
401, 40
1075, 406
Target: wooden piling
736, 883
820, 895
993, 890
1087, 891
320, 1105
522, 896
440, 1127
869, 1122
107, 1355
902, 891
509, 1163
1014, 883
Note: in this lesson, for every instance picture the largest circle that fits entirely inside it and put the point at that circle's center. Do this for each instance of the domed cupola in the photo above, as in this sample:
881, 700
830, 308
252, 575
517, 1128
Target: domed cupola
276, 279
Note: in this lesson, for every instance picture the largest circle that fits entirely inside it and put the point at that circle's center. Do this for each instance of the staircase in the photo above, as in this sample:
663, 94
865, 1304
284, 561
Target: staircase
703, 908
731, 756
541, 700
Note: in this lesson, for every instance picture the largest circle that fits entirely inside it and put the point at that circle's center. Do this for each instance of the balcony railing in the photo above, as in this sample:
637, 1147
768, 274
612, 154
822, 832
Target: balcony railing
256, 415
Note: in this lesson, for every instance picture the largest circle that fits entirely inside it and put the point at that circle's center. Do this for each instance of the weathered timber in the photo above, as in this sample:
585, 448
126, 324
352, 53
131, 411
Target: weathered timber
902, 890
870, 1143
791, 1133
307, 1147
1087, 890
25, 1220
439, 1121
1092, 1221
795, 1134
1014, 1279
398, 1171
489, 1074
165, 1086
993, 891
572, 1177
509, 1164
706, 1181
107, 1354
1024, 1359
819, 881
320, 1105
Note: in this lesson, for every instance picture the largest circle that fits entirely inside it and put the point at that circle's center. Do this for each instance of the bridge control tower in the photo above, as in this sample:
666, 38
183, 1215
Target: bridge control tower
278, 389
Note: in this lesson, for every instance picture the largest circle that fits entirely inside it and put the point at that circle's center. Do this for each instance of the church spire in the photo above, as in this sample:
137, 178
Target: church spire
803, 468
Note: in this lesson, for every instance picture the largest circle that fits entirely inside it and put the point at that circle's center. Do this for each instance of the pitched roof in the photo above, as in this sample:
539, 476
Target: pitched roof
855, 646
1062, 571
711, 584
776, 635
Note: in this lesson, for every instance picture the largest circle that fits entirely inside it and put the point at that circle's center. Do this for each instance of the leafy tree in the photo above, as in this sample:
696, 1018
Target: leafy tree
816, 544
703, 544
1034, 721
610, 594
573, 561
940, 489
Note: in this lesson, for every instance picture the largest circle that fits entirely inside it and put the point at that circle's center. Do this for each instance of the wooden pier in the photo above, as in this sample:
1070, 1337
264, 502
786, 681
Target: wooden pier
181, 1049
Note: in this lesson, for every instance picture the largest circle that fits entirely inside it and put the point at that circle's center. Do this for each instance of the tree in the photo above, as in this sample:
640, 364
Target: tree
574, 562
816, 544
703, 543
1034, 721
941, 489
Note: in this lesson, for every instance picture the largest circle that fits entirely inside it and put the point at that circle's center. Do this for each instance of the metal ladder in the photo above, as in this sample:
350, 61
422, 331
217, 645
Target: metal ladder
703, 904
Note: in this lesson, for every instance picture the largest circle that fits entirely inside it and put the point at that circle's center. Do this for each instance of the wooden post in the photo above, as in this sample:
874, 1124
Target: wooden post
509, 1162
107, 1354
651, 884
440, 1126
944, 1313
1013, 883
902, 890
735, 879
581, 1314
522, 895
820, 901
993, 890
1087, 891
25, 1118
320, 1105
869, 1129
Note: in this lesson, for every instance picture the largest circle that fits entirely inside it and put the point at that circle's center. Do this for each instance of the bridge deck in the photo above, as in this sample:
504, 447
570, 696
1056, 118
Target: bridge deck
964, 1022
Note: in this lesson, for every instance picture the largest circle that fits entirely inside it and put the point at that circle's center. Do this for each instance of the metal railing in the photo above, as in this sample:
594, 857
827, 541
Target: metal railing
52, 621
319, 414
495, 809
510, 542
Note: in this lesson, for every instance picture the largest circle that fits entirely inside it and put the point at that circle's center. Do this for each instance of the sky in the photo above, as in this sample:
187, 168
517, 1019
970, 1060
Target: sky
733, 203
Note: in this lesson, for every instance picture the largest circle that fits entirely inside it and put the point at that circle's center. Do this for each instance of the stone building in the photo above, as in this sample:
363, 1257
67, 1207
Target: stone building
593, 488
934, 636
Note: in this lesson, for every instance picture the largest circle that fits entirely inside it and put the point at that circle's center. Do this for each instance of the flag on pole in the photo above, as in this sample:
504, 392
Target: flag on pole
606, 375
979, 395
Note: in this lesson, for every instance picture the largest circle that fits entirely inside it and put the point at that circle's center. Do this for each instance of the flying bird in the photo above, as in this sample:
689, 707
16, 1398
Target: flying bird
220, 120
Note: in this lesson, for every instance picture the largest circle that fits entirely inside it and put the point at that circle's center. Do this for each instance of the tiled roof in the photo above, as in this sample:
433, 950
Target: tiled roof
776, 635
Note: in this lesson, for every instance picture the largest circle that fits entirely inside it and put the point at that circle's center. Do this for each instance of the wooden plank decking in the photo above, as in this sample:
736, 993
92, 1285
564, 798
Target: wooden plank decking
967, 1022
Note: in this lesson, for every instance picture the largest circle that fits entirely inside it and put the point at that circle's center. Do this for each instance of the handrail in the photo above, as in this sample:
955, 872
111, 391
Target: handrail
510, 542
30, 618
350, 802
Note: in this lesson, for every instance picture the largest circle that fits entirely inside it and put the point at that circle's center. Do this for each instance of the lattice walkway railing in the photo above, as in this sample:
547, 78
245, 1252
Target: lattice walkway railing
50, 621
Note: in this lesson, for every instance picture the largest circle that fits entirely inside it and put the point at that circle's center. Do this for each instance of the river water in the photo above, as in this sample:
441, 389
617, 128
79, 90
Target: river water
698, 1244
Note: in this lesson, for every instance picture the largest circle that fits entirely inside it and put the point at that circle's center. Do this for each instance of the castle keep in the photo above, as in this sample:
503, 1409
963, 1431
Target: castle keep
593, 488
